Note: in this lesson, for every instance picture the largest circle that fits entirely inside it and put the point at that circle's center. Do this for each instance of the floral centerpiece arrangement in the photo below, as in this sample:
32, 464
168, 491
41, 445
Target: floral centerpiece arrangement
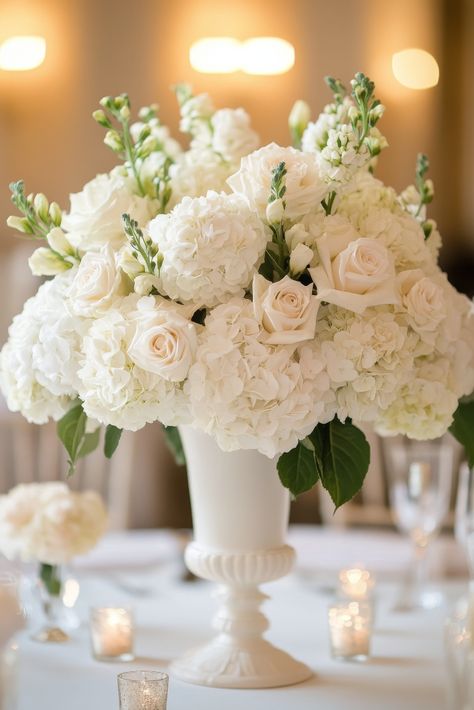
272, 297
49, 524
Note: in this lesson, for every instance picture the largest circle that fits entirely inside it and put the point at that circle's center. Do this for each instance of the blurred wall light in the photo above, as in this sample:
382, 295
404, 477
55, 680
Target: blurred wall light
22, 53
258, 55
215, 55
267, 55
415, 69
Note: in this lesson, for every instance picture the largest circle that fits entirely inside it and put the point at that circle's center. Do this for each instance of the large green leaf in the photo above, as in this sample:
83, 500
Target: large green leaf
72, 432
298, 468
345, 455
174, 443
462, 427
112, 439
89, 443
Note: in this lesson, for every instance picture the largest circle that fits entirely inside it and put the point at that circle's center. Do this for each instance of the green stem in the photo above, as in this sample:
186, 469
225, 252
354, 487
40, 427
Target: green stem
131, 158
51, 578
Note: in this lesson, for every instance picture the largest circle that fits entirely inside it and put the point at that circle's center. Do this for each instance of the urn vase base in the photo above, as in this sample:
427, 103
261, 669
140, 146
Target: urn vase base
221, 664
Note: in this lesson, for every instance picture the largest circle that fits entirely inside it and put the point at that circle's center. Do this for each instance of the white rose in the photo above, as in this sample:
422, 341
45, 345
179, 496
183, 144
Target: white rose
300, 258
423, 299
354, 272
164, 344
97, 283
304, 188
286, 309
96, 213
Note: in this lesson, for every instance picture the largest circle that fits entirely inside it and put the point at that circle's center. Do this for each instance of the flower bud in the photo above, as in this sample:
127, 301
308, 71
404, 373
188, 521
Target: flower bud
145, 283
428, 192
300, 258
107, 102
120, 101
101, 118
19, 223
299, 116
125, 113
58, 242
44, 262
148, 146
41, 205
113, 140
275, 211
55, 214
129, 264
353, 113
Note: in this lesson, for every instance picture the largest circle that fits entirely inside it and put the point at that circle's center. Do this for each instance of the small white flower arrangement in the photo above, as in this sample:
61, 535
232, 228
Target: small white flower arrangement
272, 297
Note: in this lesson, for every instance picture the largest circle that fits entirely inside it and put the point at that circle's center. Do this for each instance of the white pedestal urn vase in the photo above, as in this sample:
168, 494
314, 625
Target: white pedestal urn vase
240, 517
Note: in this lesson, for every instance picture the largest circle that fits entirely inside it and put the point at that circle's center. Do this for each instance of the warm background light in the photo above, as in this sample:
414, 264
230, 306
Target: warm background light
22, 53
215, 55
415, 68
267, 55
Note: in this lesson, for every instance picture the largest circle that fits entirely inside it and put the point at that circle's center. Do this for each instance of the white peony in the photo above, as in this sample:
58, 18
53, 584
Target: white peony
48, 523
287, 310
211, 248
304, 188
95, 217
97, 283
354, 272
114, 389
39, 363
251, 395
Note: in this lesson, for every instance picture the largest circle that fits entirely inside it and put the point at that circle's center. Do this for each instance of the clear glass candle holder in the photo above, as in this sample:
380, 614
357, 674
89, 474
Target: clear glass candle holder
112, 634
350, 630
143, 690
356, 583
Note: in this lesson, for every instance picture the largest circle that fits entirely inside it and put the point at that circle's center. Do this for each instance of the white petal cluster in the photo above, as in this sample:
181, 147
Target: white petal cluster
232, 134
95, 217
211, 248
342, 156
304, 187
196, 172
39, 363
48, 523
249, 394
316, 135
120, 380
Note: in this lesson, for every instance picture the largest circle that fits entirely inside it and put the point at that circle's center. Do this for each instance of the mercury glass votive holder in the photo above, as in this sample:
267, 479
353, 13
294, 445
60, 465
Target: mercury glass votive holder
350, 630
356, 583
112, 634
143, 690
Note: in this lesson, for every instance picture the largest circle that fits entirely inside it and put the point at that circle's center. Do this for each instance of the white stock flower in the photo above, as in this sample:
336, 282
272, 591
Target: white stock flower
304, 188
95, 217
287, 310
233, 136
211, 248
164, 342
196, 113
48, 523
97, 283
251, 395
196, 172
354, 272
113, 388
342, 156
39, 363
316, 134
167, 145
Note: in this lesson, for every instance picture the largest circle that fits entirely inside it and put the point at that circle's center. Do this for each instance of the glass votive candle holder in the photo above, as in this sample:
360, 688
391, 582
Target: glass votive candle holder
143, 690
356, 583
112, 634
350, 630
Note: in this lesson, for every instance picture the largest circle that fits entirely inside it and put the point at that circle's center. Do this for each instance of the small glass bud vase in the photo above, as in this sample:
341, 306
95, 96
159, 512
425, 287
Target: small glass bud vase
51, 589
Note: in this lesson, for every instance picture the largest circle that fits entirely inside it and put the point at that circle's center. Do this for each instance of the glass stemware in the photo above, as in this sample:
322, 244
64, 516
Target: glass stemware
464, 517
420, 491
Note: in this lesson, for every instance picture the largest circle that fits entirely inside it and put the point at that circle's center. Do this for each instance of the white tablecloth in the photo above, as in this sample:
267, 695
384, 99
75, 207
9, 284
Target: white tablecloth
406, 670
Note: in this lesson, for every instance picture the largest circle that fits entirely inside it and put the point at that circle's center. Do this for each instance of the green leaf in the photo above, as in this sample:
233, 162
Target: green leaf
50, 576
89, 443
174, 443
298, 468
462, 427
71, 431
345, 456
112, 439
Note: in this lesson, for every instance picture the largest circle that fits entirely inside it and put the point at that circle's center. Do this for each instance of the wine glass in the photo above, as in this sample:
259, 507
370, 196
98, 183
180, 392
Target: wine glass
420, 489
464, 517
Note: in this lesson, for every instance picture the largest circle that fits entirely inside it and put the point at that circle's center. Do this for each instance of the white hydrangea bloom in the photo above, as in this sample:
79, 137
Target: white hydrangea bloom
211, 248
48, 523
251, 395
304, 187
95, 217
113, 388
196, 172
232, 134
39, 363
